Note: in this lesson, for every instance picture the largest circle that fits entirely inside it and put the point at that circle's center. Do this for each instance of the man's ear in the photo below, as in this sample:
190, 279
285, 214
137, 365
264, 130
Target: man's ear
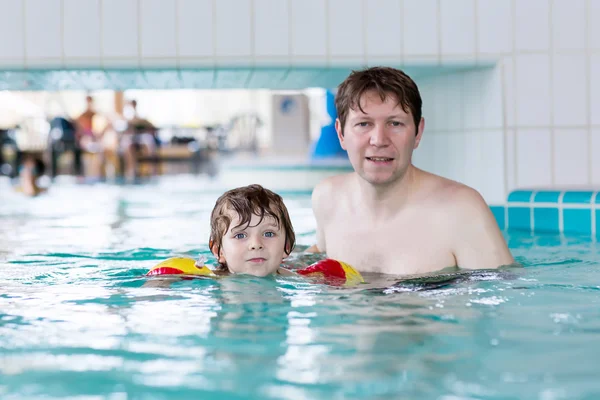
420, 130
340, 134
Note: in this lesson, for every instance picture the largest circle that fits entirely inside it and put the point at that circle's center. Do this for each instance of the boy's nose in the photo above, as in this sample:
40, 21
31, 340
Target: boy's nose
256, 245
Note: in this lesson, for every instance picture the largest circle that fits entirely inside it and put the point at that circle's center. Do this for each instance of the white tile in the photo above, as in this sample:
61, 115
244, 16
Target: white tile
533, 158
233, 28
157, 28
568, 25
427, 91
13, 63
346, 39
533, 90
571, 157
120, 28
195, 28
494, 26
472, 106
434, 146
81, 36
384, 27
491, 165
511, 160
458, 26
420, 27
532, 25
120, 62
491, 98
423, 156
509, 92
158, 62
12, 27
271, 28
347, 61
595, 89
472, 171
441, 147
453, 91
43, 29
569, 90
595, 149
272, 61
439, 109
593, 24
453, 156
309, 39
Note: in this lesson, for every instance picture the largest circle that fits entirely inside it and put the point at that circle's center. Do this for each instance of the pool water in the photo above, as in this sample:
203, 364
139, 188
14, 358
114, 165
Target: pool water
77, 322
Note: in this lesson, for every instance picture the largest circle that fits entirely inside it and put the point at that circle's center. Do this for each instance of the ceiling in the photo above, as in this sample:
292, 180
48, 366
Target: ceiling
213, 78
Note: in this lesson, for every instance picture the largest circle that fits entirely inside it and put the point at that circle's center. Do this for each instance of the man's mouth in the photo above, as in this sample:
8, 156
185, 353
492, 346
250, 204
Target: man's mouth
380, 159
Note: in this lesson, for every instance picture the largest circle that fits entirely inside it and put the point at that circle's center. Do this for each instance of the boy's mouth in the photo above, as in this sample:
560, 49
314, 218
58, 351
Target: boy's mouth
257, 260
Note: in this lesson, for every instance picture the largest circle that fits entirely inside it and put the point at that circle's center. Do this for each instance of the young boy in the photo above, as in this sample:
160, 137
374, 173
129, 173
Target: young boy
251, 232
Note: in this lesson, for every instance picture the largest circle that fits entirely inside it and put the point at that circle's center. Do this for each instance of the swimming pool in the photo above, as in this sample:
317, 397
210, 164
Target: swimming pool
75, 321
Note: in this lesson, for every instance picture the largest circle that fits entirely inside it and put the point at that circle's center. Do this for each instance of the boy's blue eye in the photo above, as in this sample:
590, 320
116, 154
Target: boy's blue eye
362, 124
269, 234
239, 236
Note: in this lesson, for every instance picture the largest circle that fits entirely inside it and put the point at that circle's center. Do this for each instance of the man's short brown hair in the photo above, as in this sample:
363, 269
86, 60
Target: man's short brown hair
245, 202
385, 81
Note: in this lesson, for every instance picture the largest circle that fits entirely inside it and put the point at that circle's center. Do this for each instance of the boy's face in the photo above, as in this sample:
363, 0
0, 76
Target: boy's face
256, 249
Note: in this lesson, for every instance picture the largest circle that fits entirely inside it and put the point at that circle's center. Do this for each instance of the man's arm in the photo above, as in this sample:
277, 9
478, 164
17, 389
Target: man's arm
479, 243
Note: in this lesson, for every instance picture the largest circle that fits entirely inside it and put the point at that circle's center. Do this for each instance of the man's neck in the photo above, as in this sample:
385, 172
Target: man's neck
389, 199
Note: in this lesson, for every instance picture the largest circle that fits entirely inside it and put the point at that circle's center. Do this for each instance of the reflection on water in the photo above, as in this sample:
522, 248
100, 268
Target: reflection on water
76, 320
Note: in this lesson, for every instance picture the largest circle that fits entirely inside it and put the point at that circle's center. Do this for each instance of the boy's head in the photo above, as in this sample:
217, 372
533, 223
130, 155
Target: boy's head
251, 231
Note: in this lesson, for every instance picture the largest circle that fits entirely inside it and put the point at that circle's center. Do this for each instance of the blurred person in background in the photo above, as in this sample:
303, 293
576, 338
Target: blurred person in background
31, 169
89, 139
140, 135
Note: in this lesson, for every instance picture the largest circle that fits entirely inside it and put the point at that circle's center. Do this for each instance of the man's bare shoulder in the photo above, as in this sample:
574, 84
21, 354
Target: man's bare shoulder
477, 241
333, 182
453, 196
330, 187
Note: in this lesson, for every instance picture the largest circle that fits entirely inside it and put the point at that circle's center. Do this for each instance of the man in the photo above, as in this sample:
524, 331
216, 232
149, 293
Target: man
85, 135
140, 134
389, 216
88, 140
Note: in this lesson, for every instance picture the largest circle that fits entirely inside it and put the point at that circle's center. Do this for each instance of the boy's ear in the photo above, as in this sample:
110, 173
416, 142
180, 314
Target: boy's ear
214, 250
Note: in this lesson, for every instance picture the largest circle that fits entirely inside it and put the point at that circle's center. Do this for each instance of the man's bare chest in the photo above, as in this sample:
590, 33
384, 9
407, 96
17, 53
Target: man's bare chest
396, 248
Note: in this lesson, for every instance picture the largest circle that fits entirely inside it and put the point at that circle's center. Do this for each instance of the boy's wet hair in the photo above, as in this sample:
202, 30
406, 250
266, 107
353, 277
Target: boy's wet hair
245, 202
385, 81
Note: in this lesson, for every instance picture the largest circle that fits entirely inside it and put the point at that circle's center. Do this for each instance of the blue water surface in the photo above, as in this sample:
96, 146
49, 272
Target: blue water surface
78, 321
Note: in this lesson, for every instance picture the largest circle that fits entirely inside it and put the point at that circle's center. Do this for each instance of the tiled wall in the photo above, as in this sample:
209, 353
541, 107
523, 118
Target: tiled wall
569, 212
464, 135
546, 55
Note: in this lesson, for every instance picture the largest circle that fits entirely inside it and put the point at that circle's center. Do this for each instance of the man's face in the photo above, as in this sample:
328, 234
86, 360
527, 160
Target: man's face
380, 141
257, 249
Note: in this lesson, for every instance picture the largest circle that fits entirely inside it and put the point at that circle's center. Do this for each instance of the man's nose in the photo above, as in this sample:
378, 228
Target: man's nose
379, 137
